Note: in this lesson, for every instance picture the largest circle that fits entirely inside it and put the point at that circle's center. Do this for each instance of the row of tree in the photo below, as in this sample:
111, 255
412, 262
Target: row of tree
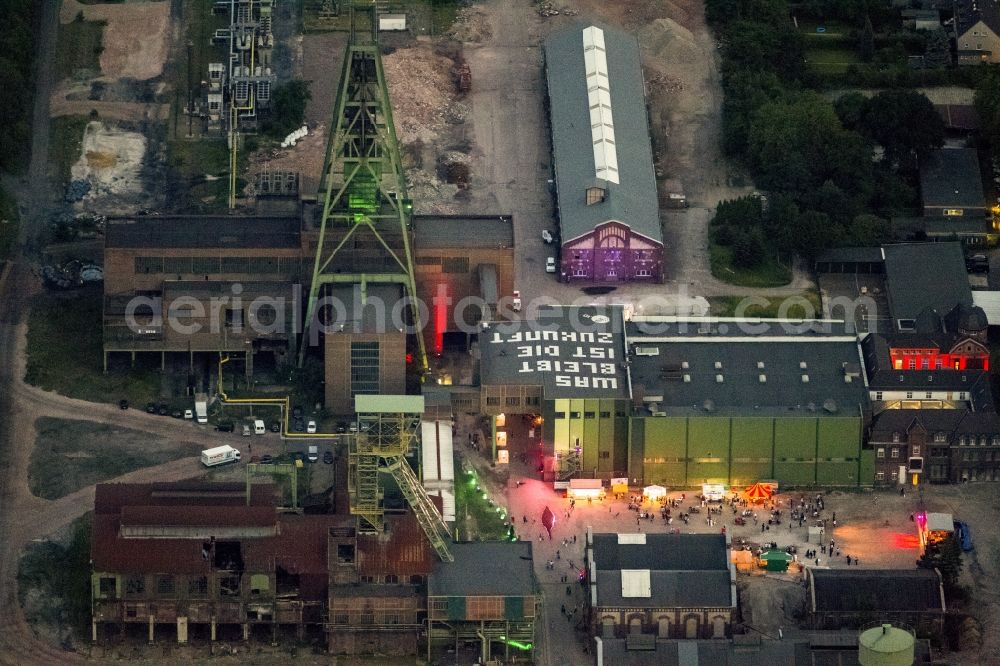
17, 54
835, 172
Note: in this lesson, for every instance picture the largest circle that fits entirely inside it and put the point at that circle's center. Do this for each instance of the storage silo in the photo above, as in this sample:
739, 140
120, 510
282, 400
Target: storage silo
886, 645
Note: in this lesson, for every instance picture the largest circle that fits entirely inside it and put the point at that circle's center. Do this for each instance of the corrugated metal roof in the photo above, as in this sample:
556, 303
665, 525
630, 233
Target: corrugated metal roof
379, 404
401, 549
438, 454
202, 231
631, 198
465, 231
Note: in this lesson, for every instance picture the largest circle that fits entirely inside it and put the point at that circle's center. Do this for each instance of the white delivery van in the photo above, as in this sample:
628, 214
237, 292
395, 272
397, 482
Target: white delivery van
220, 455
258, 427
201, 408
313, 455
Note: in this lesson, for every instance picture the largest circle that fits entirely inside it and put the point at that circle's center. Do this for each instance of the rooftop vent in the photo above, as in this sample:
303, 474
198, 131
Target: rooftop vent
718, 365
830, 406
760, 365
762, 378
718, 379
685, 365
647, 351
803, 365
709, 405
805, 379
687, 379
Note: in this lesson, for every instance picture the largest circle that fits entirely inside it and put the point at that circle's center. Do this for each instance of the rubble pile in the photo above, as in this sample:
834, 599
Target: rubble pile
471, 26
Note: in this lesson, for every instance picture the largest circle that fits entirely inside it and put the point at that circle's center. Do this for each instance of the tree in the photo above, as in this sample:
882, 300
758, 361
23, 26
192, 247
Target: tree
868, 230
946, 557
987, 102
905, 123
866, 43
288, 108
937, 53
749, 248
850, 108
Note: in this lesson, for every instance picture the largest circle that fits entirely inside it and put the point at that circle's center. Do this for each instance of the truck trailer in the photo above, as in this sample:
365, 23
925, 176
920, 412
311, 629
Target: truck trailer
220, 455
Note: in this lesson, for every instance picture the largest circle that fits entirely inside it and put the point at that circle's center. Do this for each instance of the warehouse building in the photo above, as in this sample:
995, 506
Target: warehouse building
566, 365
605, 184
735, 401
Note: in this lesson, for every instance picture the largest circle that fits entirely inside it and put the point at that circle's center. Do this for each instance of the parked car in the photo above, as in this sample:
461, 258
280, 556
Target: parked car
296, 412
311, 427
550, 265
341, 427
225, 426
266, 459
189, 414
328, 457
353, 427
150, 407
963, 535
276, 426
246, 430
123, 404
299, 456
177, 414
313, 455
547, 236
298, 425
163, 410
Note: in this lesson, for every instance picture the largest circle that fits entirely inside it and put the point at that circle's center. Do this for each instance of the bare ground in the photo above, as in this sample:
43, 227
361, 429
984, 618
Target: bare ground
136, 38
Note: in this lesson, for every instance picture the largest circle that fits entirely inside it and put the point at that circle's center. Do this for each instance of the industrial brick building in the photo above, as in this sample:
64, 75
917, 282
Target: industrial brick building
488, 594
205, 560
162, 267
605, 184
464, 266
664, 585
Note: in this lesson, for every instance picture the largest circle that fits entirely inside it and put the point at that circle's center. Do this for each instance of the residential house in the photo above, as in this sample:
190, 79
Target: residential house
977, 31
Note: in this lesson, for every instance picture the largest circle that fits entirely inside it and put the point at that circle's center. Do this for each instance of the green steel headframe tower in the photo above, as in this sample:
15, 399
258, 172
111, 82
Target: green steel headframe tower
364, 234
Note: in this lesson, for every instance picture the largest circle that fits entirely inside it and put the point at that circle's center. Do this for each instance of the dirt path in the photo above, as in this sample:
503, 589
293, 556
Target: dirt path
128, 111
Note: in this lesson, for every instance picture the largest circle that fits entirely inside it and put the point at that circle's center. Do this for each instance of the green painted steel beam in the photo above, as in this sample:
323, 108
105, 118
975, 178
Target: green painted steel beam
362, 184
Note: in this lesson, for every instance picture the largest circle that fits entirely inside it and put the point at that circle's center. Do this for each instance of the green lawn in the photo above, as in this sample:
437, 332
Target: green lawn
78, 49
192, 160
729, 306
70, 455
831, 59
65, 145
65, 352
771, 273
833, 28
54, 583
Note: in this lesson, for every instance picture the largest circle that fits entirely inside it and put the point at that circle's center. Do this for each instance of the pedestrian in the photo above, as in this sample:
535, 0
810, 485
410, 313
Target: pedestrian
557, 554
761, 529
848, 560
562, 609
817, 561
574, 538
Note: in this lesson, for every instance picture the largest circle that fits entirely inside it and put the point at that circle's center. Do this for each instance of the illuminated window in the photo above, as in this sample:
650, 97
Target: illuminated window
880, 452
914, 450
913, 364
880, 476
894, 453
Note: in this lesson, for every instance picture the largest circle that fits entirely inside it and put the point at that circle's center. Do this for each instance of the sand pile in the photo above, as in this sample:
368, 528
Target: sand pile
668, 42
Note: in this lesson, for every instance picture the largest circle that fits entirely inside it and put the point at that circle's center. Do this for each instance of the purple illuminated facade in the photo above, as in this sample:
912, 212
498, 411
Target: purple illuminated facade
612, 252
